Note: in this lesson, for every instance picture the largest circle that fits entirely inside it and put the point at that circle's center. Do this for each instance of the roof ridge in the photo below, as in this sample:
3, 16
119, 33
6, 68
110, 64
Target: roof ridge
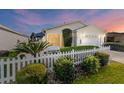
65, 24
80, 27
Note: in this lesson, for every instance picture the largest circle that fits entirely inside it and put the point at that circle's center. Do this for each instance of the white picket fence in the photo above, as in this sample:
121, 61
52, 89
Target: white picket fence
9, 67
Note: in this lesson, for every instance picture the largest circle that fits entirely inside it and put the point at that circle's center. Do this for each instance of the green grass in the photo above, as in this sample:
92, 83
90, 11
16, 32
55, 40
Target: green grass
112, 74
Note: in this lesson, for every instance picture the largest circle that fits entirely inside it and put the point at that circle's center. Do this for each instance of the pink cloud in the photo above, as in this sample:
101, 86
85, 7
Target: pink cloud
113, 19
69, 16
110, 21
29, 18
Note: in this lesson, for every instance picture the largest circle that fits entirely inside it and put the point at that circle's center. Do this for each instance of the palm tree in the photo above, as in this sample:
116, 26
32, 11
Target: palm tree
32, 47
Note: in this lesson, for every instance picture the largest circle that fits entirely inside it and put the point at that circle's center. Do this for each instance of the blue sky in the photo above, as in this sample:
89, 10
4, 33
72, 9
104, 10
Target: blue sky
28, 21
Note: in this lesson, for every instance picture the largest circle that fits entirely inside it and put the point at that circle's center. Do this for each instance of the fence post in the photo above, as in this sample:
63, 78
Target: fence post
2, 70
73, 53
8, 70
110, 55
13, 69
18, 63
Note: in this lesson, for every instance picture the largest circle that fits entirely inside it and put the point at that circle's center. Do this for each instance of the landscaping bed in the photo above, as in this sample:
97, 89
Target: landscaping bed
111, 74
65, 71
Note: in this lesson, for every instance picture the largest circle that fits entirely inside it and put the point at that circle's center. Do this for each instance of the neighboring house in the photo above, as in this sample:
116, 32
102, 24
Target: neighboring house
10, 38
115, 37
82, 34
36, 36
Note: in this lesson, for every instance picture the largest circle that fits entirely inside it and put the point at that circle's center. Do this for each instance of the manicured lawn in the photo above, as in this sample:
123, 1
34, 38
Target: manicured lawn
112, 74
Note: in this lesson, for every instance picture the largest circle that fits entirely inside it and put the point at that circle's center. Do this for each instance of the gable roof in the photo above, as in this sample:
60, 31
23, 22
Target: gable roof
65, 24
93, 27
79, 25
116, 33
80, 28
5, 28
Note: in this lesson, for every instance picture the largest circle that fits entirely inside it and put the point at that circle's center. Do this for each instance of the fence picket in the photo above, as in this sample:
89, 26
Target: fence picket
13, 69
18, 64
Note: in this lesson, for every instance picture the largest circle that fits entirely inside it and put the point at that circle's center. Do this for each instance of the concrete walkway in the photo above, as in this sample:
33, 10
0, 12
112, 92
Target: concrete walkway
117, 56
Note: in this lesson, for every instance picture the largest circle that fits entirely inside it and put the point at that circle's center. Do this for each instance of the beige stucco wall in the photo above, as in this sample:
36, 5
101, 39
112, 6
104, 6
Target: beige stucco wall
54, 36
55, 39
89, 35
9, 40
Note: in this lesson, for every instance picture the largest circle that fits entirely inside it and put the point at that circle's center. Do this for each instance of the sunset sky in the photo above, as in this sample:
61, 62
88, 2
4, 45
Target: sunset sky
27, 21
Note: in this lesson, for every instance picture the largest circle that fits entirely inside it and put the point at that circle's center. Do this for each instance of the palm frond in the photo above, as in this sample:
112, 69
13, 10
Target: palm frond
32, 47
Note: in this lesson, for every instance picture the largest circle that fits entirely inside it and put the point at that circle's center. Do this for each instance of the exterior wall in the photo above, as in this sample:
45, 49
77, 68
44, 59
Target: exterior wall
119, 39
54, 36
55, 39
122, 40
115, 37
74, 38
9, 40
90, 35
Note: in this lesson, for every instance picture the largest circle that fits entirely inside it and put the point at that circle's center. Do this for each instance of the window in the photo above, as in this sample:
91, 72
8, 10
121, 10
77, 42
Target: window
91, 36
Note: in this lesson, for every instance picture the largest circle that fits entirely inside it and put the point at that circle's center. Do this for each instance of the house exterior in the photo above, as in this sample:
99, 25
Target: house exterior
115, 37
82, 34
9, 38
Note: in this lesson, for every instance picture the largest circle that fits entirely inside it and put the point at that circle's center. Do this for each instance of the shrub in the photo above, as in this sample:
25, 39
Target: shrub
115, 46
64, 69
13, 53
32, 74
103, 58
9, 54
77, 48
90, 65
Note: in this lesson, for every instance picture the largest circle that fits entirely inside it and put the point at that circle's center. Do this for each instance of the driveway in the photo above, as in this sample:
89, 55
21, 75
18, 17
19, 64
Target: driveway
117, 56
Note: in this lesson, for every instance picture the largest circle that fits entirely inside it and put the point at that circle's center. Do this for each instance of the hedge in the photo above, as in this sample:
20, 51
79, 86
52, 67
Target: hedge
103, 58
115, 46
77, 48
